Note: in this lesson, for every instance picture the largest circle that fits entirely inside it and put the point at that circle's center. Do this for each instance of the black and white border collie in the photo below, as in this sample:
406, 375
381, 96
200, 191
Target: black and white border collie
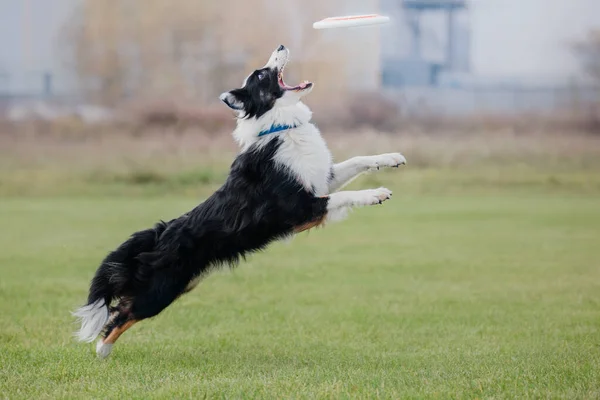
283, 182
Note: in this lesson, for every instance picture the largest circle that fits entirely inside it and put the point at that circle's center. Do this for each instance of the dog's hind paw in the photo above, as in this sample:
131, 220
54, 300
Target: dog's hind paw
103, 349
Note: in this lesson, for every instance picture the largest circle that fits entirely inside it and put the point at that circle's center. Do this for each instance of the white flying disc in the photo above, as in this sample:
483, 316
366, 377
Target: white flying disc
351, 20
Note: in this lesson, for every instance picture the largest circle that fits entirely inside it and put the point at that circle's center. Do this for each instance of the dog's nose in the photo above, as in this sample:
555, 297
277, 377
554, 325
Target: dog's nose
281, 47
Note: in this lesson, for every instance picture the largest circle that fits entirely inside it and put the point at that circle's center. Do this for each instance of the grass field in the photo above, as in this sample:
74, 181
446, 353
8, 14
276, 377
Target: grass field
429, 296
469, 283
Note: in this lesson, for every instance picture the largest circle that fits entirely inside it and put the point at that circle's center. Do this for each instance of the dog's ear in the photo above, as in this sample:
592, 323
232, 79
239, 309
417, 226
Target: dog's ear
233, 99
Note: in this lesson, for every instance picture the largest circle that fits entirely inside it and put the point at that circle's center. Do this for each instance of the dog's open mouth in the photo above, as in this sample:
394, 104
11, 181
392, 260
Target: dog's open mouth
285, 86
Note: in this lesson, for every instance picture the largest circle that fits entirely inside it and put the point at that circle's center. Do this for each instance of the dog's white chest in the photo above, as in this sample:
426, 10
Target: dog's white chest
304, 152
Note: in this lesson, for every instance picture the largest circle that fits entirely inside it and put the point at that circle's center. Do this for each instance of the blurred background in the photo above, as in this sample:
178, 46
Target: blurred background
480, 279
83, 80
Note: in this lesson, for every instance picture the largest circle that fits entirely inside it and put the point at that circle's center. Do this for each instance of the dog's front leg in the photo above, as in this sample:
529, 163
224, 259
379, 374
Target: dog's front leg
335, 207
340, 203
344, 172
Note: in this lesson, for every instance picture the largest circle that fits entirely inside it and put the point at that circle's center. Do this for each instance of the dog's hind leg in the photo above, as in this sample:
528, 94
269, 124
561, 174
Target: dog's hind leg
144, 305
120, 320
165, 289
104, 346
343, 173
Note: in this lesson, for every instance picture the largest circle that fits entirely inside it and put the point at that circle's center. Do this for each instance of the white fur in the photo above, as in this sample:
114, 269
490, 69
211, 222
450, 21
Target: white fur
247, 130
278, 59
345, 172
303, 151
340, 203
358, 198
93, 317
103, 349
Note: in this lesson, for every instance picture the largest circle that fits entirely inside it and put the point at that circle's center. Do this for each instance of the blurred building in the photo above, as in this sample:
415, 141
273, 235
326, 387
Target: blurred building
525, 42
416, 52
31, 58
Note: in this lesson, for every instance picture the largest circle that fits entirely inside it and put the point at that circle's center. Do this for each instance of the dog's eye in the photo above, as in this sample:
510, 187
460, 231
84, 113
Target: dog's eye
261, 75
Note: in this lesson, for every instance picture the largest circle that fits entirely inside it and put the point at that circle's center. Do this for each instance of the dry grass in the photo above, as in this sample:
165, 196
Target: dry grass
118, 148
190, 160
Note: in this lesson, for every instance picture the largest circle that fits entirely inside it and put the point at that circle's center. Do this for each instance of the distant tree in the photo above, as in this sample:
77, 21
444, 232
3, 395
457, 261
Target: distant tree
124, 48
154, 49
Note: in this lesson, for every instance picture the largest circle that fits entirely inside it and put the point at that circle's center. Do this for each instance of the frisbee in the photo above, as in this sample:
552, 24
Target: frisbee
351, 21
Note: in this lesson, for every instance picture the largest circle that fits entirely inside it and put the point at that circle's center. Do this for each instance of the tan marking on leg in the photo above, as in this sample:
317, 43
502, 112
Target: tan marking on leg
310, 225
118, 331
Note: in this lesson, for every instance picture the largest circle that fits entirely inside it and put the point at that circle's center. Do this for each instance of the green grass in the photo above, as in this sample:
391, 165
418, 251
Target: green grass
468, 293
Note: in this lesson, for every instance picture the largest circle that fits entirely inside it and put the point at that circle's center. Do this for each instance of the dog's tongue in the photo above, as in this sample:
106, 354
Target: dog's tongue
284, 85
303, 85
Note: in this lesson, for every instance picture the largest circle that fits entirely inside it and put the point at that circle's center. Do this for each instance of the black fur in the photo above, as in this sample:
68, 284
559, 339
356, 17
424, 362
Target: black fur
259, 93
258, 204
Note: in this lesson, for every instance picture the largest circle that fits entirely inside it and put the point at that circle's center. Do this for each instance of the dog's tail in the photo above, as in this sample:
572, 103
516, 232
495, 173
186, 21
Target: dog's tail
93, 317
112, 280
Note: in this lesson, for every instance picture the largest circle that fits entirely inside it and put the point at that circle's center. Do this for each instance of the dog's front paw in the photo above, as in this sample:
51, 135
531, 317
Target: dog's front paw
375, 196
390, 160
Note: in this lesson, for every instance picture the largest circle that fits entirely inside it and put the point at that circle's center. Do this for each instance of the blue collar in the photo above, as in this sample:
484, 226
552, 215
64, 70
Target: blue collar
276, 128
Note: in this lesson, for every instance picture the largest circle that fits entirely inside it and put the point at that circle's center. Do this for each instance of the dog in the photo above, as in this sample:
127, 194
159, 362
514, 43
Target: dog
282, 182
